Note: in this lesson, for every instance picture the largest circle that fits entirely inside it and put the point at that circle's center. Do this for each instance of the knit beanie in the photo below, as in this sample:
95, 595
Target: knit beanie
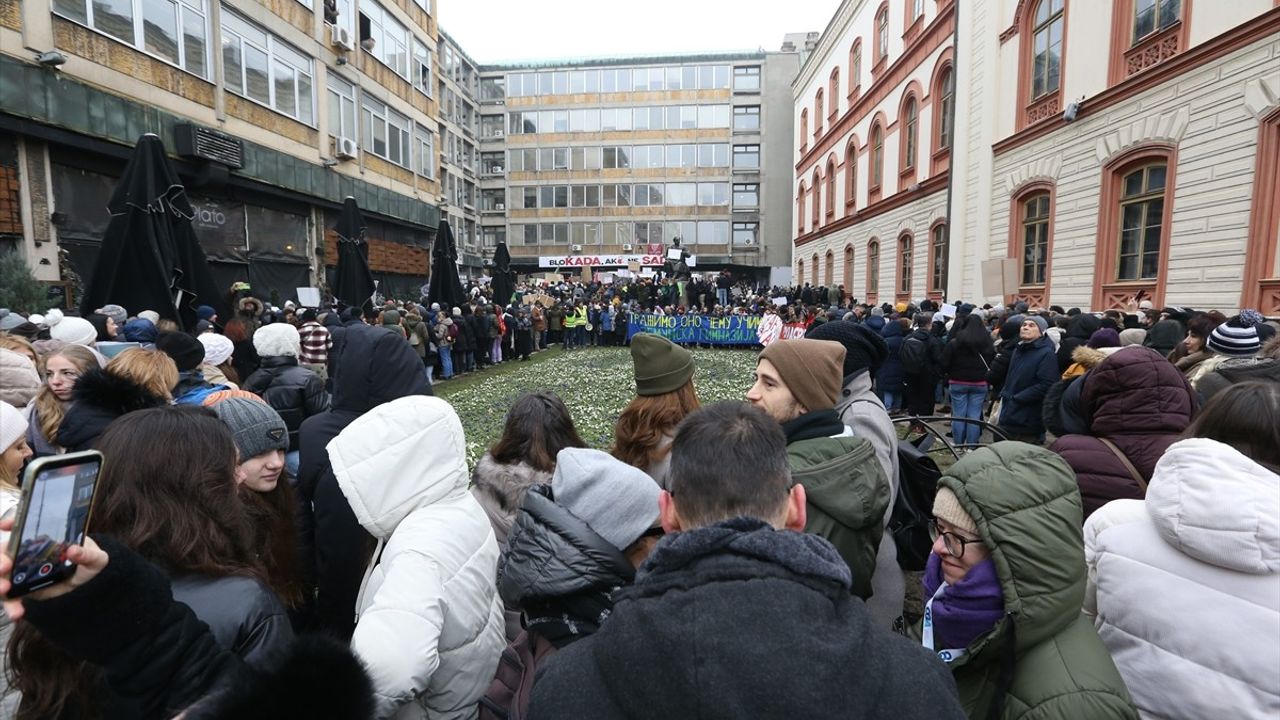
205, 312
277, 339
811, 370
618, 501
151, 315
1104, 338
255, 425
661, 366
1039, 321
457, 312
217, 348
1132, 336
187, 352
115, 312
864, 349
11, 320
71, 330
391, 317
947, 507
13, 426
1238, 336
216, 397
140, 330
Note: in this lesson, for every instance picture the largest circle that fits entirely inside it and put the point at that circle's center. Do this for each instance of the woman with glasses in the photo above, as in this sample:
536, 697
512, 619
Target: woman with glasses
1003, 590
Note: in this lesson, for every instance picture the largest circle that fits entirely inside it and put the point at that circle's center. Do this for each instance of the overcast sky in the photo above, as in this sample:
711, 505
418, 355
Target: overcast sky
493, 31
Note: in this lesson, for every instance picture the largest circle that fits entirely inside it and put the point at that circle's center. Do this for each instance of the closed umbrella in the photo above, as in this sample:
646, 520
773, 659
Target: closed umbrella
150, 258
503, 279
446, 288
353, 284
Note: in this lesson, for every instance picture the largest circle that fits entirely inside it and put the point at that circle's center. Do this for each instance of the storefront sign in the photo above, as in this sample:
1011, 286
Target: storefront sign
578, 261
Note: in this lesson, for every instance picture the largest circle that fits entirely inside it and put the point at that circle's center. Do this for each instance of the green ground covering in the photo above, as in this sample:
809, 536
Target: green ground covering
595, 383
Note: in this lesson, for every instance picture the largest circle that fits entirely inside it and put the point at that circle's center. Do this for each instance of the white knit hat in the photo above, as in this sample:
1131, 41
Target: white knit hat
71, 330
217, 348
277, 339
12, 425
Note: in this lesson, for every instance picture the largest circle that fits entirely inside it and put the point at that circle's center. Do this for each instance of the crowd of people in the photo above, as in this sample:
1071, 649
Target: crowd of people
286, 525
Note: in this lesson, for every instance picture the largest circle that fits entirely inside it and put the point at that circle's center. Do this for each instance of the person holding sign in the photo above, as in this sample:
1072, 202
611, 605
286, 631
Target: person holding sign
1003, 596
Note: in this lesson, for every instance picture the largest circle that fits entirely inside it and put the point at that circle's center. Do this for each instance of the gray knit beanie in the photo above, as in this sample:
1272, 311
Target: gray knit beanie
618, 501
255, 425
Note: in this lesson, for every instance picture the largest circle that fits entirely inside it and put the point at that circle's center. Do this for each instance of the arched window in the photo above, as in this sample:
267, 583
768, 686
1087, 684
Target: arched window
946, 94
815, 188
904, 267
1133, 226
855, 67
817, 114
831, 186
835, 93
814, 270
873, 270
848, 268
851, 175
1262, 258
938, 237
799, 272
804, 129
877, 156
1142, 229
1046, 44
828, 270
1034, 252
800, 209
882, 34
910, 120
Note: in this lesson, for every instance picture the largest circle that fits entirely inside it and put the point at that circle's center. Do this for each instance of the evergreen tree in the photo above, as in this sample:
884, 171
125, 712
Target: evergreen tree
20, 292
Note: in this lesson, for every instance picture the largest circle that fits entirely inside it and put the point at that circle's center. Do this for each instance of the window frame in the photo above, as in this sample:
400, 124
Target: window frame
1144, 199
139, 41
830, 205
367, 125
747, 113
424, 146
745, 71
817, 114
875, 161
904, 266
380, 46
353, 98
1109, 290
815, 189
939, 258
276, 51
833, 85
1131, 56
735, 153
804, 129
873, 270
1032, 107
851, 175
847, 270
880, 38
1261, 287
1033, 293
855, 70
801, 192
908, 134
749, 226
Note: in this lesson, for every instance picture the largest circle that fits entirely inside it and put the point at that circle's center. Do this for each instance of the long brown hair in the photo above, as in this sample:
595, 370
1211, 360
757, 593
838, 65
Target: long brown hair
49, 409
179, 510
638, 436
275, 524
538, 427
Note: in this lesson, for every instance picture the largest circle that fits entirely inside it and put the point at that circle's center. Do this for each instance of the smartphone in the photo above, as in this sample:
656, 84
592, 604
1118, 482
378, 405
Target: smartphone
57, 500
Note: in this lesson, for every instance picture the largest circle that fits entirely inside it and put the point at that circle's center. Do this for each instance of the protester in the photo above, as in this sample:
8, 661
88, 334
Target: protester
577, 541
188, 355
19, 378
1079, 330
798, 385
373, 367
966, 361
921, 358
735, 611
419, 336
1195, 344
1182, 584
294, 391
63, 368
429, 620
664, 396
245, 359
316, 342
890, 380
141, 331
1004, 587
69, 329
1233, 363
14, 453
537, 428
523, 334
1032, 371
1165, 333
136, 379
217, 368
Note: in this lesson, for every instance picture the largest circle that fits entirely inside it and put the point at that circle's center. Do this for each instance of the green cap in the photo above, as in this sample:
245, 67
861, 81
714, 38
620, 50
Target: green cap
661, 366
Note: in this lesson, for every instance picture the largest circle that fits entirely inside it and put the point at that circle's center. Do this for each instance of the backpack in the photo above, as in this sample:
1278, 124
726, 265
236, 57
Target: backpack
909, 523
914, 355
508, 695
414, 340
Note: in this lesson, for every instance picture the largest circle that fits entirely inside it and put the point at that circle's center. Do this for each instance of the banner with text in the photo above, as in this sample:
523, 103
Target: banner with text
580, 261
697, 329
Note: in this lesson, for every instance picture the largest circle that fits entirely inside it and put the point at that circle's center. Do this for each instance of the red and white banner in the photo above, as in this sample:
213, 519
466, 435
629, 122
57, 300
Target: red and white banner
579, 261
773, 329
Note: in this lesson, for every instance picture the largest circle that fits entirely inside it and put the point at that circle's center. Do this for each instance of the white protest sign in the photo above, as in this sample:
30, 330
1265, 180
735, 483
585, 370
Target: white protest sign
309, 297
779, 301
673, 254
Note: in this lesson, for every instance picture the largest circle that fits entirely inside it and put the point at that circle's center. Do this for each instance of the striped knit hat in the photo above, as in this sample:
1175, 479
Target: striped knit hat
1238, 336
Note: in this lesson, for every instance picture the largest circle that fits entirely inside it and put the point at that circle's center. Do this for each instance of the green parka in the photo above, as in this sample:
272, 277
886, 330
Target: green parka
1026, 504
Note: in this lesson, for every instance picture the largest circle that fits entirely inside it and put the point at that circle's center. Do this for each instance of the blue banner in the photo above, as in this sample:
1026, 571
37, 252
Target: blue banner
698, 329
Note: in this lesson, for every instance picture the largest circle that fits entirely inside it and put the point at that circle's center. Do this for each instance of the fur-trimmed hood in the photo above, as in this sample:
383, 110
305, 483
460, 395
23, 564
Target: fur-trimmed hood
99, 398
1091, 358
500, 490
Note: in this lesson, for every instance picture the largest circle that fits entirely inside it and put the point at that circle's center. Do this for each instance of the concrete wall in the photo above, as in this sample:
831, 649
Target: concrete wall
777, 130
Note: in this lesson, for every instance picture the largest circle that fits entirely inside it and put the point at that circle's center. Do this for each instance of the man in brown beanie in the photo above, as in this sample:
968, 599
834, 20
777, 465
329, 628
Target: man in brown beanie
798, 383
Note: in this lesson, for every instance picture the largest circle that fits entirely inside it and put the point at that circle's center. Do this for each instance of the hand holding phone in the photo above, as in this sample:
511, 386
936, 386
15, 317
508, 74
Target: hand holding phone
57, 500
89, 560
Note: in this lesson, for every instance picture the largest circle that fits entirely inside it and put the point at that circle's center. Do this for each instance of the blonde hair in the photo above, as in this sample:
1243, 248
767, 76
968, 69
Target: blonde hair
19, 345
152, 369
49, 409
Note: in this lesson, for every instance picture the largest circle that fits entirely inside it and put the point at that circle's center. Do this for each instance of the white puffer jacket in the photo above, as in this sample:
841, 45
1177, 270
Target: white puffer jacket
1184, 586
430, 626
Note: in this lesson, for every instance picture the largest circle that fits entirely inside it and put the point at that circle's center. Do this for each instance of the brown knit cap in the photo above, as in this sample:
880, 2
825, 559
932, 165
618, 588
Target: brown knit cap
811, 370
946, 506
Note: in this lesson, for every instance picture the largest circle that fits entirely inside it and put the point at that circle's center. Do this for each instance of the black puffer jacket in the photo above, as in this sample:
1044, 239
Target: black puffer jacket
294, 391
245, 616
100, 397
559, 571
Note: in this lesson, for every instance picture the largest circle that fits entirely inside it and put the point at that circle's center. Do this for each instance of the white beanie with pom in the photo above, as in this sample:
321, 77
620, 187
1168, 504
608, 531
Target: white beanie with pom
71, 330
277, 339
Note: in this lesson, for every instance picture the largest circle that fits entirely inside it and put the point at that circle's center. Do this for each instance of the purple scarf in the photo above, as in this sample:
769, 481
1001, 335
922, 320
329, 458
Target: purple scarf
967, 610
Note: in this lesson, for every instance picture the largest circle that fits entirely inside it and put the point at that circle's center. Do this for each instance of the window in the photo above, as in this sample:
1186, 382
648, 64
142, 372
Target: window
799, 271
682, 194
1035, 239
848, 268
386, 132
422, 67
425, 144
711, 194
834, 86
746, 79
815, 210
1141, 223
877, 155
915, 9
342, 107
1152, 16
1046, 54
946, 107
910, 134
855, 66
713, 155
882, 34
746, 157
828, 270
904, 266
746, 117
172, 30
873, 270
938, 258
746, 233
390, 39
831, 186
851, 174
528, 198
800, 193
710, 232
817, 114
814, 269
746, 195
258, 66
804, 129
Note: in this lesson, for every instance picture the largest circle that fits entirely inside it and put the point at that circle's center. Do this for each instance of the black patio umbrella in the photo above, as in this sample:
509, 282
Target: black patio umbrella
150, 258
353, 283
446, 288
503, 278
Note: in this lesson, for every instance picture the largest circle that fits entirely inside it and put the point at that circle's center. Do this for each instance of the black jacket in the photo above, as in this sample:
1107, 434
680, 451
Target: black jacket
466, 334
1004, 353
99, 399
294, 391
738, 620
1079, 328
933, 353
965, 364
245, 615
479, 331
1032, 372
374, 366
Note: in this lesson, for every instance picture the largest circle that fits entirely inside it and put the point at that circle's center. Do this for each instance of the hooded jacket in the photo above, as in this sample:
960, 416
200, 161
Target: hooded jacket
99, 398
1043, 660
1079, 329
1183, 586
373, 366
19, 380
500, 489
1141, 403
1237, 370
1032, 371
294, 391
1164, 336
890, 377
430, 626
739, 620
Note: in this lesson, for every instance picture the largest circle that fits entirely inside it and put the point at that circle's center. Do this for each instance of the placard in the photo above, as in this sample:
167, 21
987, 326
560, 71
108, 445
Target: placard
692, 261
633, 266
948, 310
779, 301
309, 297
673, 254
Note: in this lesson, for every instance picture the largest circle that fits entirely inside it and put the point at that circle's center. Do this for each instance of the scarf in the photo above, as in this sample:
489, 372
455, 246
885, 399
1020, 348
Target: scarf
816, 424
967, 610
565, 619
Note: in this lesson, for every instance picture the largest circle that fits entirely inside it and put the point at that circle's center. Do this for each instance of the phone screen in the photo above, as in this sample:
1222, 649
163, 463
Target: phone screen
55, 514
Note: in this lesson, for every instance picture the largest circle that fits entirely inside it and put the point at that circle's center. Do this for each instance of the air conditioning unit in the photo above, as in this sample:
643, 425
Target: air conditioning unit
577, 248
340, 37
499, 206
194, 141
497, 133
345, 148
628, 248
498, 169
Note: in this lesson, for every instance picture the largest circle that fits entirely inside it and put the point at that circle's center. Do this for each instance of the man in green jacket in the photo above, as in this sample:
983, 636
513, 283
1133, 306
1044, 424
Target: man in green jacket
555, 324
798, 385
1004, 587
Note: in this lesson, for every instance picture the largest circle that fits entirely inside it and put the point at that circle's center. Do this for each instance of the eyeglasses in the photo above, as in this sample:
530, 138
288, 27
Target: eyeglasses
955, 544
